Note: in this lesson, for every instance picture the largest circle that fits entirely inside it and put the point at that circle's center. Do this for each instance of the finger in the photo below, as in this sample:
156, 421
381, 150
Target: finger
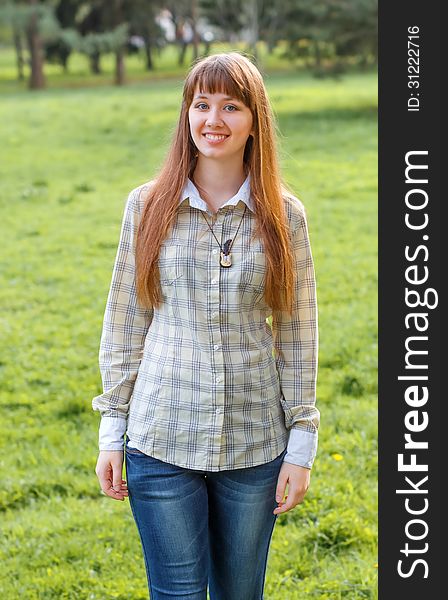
104, 474
281, 487
284, 506
118, 494
115, 494
121, 487
117, 478
105, 477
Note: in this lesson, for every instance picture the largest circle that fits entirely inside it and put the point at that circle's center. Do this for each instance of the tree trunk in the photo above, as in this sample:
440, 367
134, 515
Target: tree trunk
254, 28
194, 18
65, 63
148, 51
182, 52
19, 54
95, 66
37, 78
271, 45
119, 67
119, 53
149, 61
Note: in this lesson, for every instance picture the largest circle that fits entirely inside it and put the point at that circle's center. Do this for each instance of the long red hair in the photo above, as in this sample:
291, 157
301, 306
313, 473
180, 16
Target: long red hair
233, 74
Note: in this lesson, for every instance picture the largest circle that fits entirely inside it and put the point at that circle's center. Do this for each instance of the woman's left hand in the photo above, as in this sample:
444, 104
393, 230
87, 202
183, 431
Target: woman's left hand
298, 480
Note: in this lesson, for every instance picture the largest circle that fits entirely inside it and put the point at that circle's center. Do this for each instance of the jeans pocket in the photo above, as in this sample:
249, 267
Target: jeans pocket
129, 450
135, 451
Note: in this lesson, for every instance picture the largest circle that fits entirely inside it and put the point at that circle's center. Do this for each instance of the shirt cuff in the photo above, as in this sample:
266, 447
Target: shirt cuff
111, 432
302, 448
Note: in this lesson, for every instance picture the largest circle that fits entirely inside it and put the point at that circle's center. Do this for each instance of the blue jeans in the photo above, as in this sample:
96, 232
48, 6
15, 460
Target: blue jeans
200, 528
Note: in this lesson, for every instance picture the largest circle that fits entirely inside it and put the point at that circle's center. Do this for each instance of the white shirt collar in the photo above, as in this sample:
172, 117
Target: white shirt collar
190, 191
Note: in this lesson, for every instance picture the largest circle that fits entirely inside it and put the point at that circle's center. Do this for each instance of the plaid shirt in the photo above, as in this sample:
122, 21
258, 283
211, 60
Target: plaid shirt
196, 382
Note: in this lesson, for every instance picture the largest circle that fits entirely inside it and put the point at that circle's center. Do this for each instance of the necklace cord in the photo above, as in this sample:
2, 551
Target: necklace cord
232, 240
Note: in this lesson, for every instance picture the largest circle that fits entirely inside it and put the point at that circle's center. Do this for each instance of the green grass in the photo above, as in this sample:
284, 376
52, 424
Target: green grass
67, 162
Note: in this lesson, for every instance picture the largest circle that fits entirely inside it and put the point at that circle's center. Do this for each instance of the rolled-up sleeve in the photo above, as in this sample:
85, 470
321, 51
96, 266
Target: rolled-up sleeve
296, 352
125, 323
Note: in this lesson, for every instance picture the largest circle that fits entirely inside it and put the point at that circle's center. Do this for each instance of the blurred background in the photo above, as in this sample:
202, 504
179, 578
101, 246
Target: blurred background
46, 39
89, 97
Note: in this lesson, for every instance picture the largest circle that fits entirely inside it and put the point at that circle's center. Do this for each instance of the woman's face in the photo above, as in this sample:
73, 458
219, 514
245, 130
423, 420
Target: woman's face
219, 125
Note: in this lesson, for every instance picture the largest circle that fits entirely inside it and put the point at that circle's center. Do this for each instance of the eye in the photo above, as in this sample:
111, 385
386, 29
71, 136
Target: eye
232, 107
201, 105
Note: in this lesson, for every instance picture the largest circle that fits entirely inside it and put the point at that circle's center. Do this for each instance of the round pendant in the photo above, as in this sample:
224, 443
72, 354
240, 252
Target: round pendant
226, 260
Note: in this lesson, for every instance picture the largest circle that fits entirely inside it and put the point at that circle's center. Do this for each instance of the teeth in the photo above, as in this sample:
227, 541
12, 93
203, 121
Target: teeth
211, 136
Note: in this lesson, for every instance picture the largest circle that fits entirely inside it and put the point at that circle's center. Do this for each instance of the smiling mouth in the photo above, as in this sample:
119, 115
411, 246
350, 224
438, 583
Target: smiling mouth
215, 137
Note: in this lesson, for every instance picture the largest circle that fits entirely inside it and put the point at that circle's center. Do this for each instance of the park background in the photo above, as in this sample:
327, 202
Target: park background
89, 95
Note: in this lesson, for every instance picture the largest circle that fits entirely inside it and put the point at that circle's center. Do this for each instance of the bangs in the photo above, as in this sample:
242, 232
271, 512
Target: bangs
215, 78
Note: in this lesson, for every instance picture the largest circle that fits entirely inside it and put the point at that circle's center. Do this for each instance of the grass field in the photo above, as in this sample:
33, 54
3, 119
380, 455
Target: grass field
68, 159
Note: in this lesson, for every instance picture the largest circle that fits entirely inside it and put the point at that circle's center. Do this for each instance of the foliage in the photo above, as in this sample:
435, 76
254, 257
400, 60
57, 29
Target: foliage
314, 28
17, 15
225, 14
327, 33
102, 43
330, 28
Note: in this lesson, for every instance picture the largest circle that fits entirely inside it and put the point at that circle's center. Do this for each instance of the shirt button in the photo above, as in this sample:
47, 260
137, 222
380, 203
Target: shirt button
215, 251
218, 411
216, 347
213, 281
214, 314
218, 379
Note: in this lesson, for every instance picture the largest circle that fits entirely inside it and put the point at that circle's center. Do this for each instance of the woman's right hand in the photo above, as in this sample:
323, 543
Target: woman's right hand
109, 469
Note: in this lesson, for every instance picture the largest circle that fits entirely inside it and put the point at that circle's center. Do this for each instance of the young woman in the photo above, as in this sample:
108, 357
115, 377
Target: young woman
218, 406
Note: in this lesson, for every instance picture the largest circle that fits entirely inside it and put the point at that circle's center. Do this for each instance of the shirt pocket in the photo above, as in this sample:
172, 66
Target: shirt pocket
253, 277
176, 269
169, 265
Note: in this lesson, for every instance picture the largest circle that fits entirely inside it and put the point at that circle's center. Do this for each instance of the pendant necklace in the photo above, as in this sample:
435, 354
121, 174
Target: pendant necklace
225, 255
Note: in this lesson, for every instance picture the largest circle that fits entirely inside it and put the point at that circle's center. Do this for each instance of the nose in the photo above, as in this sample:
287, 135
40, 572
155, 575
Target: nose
213, 119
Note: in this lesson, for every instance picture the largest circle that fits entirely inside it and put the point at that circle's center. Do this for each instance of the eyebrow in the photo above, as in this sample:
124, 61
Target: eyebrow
226, 98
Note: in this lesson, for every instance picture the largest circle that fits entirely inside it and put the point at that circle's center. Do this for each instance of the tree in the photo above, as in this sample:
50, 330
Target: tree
185, 25
118, 19
318, 29
194, 26
141, 16
256, 19
25, 20
225, 14
103, 29
15, 16
35, 47
58, 50
91, 27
